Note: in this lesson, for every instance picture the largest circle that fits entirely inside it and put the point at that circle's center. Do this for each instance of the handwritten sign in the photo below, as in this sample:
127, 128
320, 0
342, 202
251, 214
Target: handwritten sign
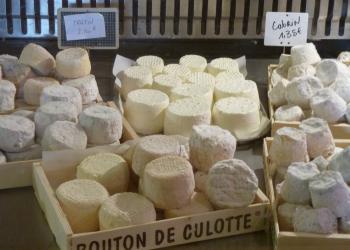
285, 28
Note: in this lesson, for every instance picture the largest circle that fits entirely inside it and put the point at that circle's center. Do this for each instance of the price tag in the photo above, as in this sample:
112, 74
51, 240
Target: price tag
285, 28
84, 26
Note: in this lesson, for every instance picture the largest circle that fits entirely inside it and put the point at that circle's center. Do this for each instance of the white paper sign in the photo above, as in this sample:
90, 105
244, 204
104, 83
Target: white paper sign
285, 28
84, 26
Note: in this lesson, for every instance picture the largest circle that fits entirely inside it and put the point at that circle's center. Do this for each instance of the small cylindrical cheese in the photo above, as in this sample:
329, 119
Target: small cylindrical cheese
145, 110
342, 88
285, 214
166, 82
210, 144
305, 53
73, 63
33, 152
154, 63
329, 70
344, 57
193, 90
289, 113
179, 70
7, 95
168, 182
108, 169
87, 87
222, 64
135, 77
202, 78
301, 70
34, 87
277, 95
81, 200
126, 209
340, 162
195, 63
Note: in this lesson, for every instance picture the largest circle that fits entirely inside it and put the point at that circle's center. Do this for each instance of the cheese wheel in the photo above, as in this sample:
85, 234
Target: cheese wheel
199, 204
319, 137
239, 115
154, 63
51, 112
64, 135
305, 53
318, 221
33, 152
246, 88
38, 58
34, 87
81, 201
202, 78
288, 146
210, 144
344, 57
301, 70
73, 63
166, 82
126, 209
2, 158
16, 133
200, 180
108, 169
286, 213
62, 93
328, 190
295, 188
329, 70
277, 95
327, 105
342, 88
191, 91
7, 95
183, 114
87, 87
231, 183
321, 163
152, 147
103, 125
145, 110
178, 70
289, 113
195, 63
135, 77
340, 162
222, 64
168, 182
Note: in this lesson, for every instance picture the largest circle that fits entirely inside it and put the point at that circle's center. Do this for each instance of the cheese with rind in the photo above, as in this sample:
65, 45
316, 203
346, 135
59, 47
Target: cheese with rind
73, 63
340, 162
87, 87
330, 70
342, 88
304, 53
289, 113
34, 87
7, 95
277, 95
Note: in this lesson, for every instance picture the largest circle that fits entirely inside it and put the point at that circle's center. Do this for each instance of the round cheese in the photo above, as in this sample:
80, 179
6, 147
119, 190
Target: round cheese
199, 204
51, 112
154, 63
344, 57
103, 125
327, 105
202, 78
126, 209
193, 90
289, 113
33, 152
145, 110
319, 137
340, 162
277, 95
152, 147
195, 63
183, 114
87, 87
81, 201
246, 88
301, 70
7, 95
34, 87
210, 144
73, 63
108, 169
16, 133
38, 58
64, 135
342, 88
178, 70
231, 183
200, 180
166, 82
168, 182
222, 64
305, 53
135, 77
329, 70
285, 214
239, 115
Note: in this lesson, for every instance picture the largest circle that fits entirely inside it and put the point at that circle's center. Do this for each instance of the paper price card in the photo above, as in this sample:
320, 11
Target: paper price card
285, 28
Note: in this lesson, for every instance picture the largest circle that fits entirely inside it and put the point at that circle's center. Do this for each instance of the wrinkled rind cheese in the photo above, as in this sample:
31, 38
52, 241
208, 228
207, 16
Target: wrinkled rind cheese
192, 91
195, 63
73, 63
31, 153
222, 64
154, 63
329, 70
277, 95
245, 88
34, 87
135, 77
7, 95
289, 113
166, 82
87, 87
340, 162
178, 70
305, 53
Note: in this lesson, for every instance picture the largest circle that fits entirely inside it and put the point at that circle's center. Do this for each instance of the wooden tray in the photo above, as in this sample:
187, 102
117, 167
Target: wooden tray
286, 240
50, 173
339, 131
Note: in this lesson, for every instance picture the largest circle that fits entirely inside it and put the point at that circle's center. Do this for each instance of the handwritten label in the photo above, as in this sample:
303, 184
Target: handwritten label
84, 26
285, 28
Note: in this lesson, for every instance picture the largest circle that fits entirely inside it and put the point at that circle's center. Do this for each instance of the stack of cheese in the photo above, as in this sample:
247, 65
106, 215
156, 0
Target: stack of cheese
303, 85
173, 174
171, 99
312, 177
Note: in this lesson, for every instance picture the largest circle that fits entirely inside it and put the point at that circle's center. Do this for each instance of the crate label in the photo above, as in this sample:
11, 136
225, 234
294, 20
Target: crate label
285, 28
84, 26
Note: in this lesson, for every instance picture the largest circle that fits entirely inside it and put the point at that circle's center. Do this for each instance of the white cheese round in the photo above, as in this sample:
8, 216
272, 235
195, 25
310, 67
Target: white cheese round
7, 95
195, 63
342, 88
277, 95
154, 63
87, 87
245, 88
231, 183
289, 113
125, 209
329, 70
301, 70
178, 70
285, 214
25, 113
191, 91
202, 78
200, 180
103, 125
305, 53
108, 169
210, 144
344, 57
135, 77
73, 63
166, 82
33, 152
222, 64
168, 182
34, 87
81, 201
340, 162
145, 110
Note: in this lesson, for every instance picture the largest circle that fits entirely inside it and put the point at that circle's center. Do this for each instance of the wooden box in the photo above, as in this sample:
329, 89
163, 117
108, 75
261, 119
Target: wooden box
339, 131
59, 166
287, 240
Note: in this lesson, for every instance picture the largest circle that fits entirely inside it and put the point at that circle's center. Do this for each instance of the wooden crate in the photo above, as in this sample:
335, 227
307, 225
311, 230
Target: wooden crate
52, 171
286, 240
339, 131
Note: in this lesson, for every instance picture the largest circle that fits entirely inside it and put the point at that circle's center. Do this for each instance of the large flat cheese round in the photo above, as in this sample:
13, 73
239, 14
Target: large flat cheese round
33, 88
154, 63
7, 95
87, 87
135, 77
73, 63
195, 63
